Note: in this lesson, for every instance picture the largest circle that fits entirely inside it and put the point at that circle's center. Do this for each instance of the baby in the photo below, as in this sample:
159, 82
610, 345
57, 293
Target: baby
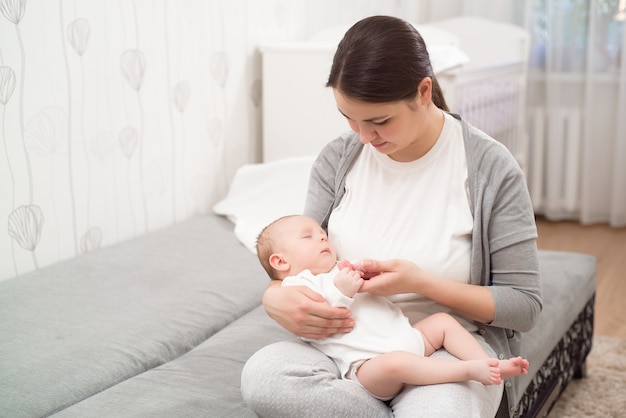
383, 352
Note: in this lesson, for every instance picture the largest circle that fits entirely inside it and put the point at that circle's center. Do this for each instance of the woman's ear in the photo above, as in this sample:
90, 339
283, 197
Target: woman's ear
278, 262
425, 91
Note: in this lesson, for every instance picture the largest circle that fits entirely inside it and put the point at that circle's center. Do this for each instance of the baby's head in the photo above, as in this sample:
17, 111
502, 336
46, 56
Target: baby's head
292, 244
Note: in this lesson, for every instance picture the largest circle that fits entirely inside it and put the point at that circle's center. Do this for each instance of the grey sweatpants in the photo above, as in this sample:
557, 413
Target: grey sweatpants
292, 379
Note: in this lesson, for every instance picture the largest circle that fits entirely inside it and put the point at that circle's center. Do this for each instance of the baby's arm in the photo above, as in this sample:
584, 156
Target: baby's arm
324, 284
348, 281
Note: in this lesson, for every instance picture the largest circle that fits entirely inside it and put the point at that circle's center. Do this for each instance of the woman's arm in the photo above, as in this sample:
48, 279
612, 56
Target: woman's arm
509, 265
402, 276
509, 294
516, 286
305, 312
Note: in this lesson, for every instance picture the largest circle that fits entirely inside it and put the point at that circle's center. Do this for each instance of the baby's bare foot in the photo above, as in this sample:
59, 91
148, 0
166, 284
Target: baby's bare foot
513, 367
486, 372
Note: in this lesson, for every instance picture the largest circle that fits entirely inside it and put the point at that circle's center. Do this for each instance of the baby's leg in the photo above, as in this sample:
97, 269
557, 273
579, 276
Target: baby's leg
385, 375
441, 330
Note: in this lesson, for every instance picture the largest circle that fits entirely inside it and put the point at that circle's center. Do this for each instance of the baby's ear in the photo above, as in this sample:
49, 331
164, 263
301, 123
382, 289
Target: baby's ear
278, 262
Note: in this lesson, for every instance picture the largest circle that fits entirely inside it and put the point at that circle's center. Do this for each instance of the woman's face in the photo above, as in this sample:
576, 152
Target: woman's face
397, 129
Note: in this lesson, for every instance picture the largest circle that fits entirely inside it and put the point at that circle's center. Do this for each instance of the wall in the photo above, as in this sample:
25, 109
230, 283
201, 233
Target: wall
120, 117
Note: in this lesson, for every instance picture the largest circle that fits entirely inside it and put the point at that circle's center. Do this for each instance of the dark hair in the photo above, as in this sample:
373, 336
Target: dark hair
383, 59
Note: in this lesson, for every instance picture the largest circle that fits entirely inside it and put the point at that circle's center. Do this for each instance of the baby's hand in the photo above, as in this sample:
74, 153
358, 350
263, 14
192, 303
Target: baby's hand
348, 281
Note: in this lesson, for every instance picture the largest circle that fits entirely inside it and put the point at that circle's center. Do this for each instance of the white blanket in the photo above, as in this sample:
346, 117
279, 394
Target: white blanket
261, 193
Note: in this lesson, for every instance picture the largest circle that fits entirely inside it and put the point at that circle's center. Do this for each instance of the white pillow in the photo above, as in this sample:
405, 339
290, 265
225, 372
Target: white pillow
261, 193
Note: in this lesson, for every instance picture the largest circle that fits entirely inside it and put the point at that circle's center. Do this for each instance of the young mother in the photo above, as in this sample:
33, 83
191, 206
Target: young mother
440, 210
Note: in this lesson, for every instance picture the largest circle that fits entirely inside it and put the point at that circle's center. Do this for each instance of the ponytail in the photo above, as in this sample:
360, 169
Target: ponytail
438, 99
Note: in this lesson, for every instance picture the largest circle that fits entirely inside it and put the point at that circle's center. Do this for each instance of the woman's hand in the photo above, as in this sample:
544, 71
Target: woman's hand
304, 312
390, 277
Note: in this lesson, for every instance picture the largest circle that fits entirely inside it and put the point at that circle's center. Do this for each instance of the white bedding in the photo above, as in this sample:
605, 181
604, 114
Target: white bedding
261, 193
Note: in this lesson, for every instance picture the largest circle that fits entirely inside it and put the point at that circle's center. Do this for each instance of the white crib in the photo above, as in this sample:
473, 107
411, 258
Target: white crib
480, 64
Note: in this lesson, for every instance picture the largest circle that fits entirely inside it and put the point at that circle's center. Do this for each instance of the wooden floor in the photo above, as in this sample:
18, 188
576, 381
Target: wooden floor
609, 246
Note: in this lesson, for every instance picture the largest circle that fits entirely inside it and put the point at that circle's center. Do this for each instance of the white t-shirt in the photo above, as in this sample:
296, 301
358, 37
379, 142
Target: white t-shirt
416, 210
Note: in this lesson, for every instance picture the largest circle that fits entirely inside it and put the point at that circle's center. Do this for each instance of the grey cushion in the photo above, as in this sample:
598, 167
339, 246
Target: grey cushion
74, 329
202, 383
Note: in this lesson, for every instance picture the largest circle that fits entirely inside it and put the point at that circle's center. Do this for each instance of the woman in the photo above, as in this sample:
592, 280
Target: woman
441, 211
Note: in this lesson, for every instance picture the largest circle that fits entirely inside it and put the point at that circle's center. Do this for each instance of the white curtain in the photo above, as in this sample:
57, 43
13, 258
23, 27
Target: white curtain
577, 109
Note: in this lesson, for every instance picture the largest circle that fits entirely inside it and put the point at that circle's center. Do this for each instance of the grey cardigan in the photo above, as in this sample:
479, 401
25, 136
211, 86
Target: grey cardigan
504, 253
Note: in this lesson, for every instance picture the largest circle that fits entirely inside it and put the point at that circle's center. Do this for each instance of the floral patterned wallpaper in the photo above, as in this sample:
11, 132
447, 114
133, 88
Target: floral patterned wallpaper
120, 117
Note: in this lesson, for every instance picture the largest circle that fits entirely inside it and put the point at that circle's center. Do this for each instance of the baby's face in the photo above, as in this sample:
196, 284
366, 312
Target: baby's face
304, 245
